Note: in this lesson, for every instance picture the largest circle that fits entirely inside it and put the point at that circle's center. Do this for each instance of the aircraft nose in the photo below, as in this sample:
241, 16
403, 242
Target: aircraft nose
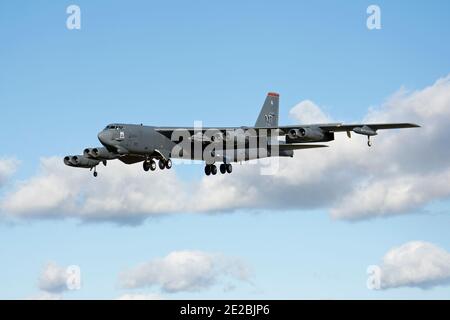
103, 136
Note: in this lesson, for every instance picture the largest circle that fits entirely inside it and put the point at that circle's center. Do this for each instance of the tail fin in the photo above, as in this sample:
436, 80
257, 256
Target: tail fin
268, 117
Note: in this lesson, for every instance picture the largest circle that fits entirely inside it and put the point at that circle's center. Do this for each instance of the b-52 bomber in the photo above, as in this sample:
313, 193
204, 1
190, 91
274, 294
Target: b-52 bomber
134, 143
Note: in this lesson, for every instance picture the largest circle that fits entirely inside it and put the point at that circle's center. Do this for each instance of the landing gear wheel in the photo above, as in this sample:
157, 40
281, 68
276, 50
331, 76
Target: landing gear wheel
152, 165
213, 170
95, 174
229, 168
146, 166
207, 170
168, 164
369, 143
161, 164
223, 168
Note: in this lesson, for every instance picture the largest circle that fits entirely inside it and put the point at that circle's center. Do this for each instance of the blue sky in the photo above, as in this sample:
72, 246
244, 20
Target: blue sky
175, 62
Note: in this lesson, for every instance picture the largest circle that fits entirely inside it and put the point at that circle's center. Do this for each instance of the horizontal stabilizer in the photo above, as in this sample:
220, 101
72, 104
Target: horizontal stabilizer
301, 146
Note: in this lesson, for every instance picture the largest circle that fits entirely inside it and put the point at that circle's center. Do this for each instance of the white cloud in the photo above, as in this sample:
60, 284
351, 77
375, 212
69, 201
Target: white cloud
415, 264
58, 191
53, 278
403, 172
308, 112
140, 296
8, 167
185, 271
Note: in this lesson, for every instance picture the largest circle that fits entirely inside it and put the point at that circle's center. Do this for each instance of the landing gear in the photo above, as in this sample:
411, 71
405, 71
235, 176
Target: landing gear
165, 164
152, 165
95, 172
149, 165
224, 168
210, 169
369, 143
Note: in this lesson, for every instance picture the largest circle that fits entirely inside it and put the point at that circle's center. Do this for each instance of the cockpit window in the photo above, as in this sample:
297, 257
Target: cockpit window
109, 127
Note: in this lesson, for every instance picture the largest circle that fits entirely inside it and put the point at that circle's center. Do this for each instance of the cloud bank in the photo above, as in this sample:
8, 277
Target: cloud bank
188, 271
402, 173
8, 167
415, 264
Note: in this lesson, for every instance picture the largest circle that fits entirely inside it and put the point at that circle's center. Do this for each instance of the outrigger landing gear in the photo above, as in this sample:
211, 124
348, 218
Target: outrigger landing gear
369, 143
95, 172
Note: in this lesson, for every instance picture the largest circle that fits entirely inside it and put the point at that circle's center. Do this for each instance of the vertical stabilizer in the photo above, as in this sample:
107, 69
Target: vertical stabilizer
268, 117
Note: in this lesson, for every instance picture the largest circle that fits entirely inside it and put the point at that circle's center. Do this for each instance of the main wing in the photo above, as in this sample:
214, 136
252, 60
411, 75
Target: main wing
339, 127
283, 130
373, 126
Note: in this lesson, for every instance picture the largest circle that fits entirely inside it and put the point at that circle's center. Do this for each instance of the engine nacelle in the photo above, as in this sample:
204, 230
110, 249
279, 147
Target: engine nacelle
99, 154
305, 135
80, 162
365, 130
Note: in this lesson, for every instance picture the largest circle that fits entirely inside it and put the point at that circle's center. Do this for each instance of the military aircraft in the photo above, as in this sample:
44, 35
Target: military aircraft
133, 143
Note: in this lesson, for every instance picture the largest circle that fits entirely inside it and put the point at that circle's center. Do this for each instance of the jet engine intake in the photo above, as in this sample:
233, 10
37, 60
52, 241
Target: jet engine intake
305, 135
80, 161
99, 154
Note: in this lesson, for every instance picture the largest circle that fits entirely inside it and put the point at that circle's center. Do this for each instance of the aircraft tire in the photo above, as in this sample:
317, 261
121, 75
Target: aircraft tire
152, 165
213, 170
229, 168
207, 170
168, 164
146, 166
161, 164
223, 168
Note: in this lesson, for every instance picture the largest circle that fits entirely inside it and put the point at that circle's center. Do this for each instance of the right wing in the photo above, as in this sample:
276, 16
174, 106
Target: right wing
375, 127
